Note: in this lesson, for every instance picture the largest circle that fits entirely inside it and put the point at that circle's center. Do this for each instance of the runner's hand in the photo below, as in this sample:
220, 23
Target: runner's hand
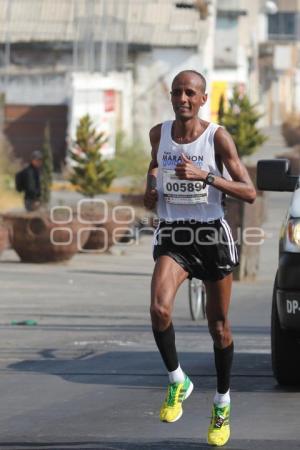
186, 170
150, 198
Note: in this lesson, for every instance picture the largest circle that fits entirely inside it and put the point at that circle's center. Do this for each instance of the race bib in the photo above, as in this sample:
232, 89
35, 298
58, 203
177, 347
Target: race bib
182, 192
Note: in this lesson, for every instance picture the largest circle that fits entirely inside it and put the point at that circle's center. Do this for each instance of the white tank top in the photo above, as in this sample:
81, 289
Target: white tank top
185, 199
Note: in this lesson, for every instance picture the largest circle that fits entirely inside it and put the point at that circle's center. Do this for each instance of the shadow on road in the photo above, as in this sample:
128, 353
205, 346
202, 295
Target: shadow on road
193, 327
135, 369
178, 444
109, 445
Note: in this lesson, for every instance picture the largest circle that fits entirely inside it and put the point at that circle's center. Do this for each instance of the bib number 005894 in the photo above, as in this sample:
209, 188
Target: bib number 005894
182, 191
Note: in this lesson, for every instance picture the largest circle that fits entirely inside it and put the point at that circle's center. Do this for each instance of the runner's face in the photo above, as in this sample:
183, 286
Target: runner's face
187, 96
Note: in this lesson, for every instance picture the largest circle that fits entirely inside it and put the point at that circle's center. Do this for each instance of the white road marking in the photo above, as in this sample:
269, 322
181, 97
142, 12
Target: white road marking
111, 342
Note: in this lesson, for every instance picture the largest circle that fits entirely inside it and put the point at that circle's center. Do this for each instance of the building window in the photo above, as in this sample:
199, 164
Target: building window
226, 42
282, 26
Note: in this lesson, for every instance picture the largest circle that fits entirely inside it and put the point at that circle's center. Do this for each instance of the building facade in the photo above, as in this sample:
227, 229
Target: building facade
142, 43
257, 47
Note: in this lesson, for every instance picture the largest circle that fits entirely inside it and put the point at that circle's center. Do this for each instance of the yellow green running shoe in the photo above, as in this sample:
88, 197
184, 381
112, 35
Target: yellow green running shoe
171, 409
219, 428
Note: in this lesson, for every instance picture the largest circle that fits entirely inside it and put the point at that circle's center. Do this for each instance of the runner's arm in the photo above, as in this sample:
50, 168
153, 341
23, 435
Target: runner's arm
150, 196
241, 185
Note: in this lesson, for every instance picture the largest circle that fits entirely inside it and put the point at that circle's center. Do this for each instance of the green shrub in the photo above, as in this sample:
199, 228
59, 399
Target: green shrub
91, 174
9, 164
240, 120
47, 168
131, 161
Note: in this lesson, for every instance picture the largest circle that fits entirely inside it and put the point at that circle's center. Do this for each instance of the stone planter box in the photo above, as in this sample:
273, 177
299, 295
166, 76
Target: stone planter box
133, 199
245, 221
290, 133
4, 238
108, 223
36, 239
294, 158
110, 232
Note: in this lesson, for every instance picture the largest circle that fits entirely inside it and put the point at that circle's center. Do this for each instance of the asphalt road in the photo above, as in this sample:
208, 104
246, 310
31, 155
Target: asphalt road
88, 376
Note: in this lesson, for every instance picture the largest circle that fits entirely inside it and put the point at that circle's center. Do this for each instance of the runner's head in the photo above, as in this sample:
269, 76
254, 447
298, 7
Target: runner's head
188, 94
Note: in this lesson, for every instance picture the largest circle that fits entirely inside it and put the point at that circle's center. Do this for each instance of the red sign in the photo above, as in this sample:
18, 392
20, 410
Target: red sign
109, 100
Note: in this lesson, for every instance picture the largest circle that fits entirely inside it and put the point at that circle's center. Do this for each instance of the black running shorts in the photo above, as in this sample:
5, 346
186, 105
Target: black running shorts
205, 250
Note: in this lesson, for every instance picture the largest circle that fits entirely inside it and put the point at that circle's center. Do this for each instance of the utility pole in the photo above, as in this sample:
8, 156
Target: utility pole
103, 64
7, 42
207, 53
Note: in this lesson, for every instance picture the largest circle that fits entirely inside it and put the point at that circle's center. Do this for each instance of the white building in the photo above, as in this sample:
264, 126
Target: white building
130, 47
257, 47
279, 62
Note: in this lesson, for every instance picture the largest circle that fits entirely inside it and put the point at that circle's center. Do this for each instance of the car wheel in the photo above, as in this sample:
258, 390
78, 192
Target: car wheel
285, 349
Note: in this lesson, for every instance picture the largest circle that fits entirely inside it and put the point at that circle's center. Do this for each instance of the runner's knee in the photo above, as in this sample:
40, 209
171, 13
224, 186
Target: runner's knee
160, 315
220, 333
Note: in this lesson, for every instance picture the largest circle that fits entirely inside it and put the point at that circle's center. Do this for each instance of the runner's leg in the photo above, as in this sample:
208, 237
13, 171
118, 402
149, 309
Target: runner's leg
167, 277
218, 300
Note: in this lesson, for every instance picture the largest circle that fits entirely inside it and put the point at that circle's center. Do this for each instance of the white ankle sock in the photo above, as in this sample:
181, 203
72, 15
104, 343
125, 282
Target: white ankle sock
222, 399
177, 376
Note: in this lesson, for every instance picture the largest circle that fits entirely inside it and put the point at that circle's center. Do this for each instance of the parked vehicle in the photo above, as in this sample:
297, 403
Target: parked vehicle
273, 175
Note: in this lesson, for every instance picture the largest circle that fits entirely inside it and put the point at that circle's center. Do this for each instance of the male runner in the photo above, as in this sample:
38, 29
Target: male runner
193, 239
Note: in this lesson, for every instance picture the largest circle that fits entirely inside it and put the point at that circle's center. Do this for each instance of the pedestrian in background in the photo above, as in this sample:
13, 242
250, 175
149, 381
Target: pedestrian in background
28, 181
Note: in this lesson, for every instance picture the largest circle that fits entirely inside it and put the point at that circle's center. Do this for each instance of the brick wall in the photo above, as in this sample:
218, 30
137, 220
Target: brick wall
24, 127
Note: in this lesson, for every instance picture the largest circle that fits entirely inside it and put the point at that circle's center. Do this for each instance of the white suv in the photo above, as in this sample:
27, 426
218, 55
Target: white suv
273, 175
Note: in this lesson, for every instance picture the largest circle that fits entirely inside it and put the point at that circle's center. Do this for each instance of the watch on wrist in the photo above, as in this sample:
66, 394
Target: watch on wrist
209, 179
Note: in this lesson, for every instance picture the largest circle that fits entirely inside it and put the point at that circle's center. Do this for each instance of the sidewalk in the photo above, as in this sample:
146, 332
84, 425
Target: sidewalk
273, 146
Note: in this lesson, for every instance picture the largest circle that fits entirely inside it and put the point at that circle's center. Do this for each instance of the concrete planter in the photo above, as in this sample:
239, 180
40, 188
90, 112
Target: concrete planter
294, 158
291, 133
110, 232
37, 239
245, 221
4, 238
133, 199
